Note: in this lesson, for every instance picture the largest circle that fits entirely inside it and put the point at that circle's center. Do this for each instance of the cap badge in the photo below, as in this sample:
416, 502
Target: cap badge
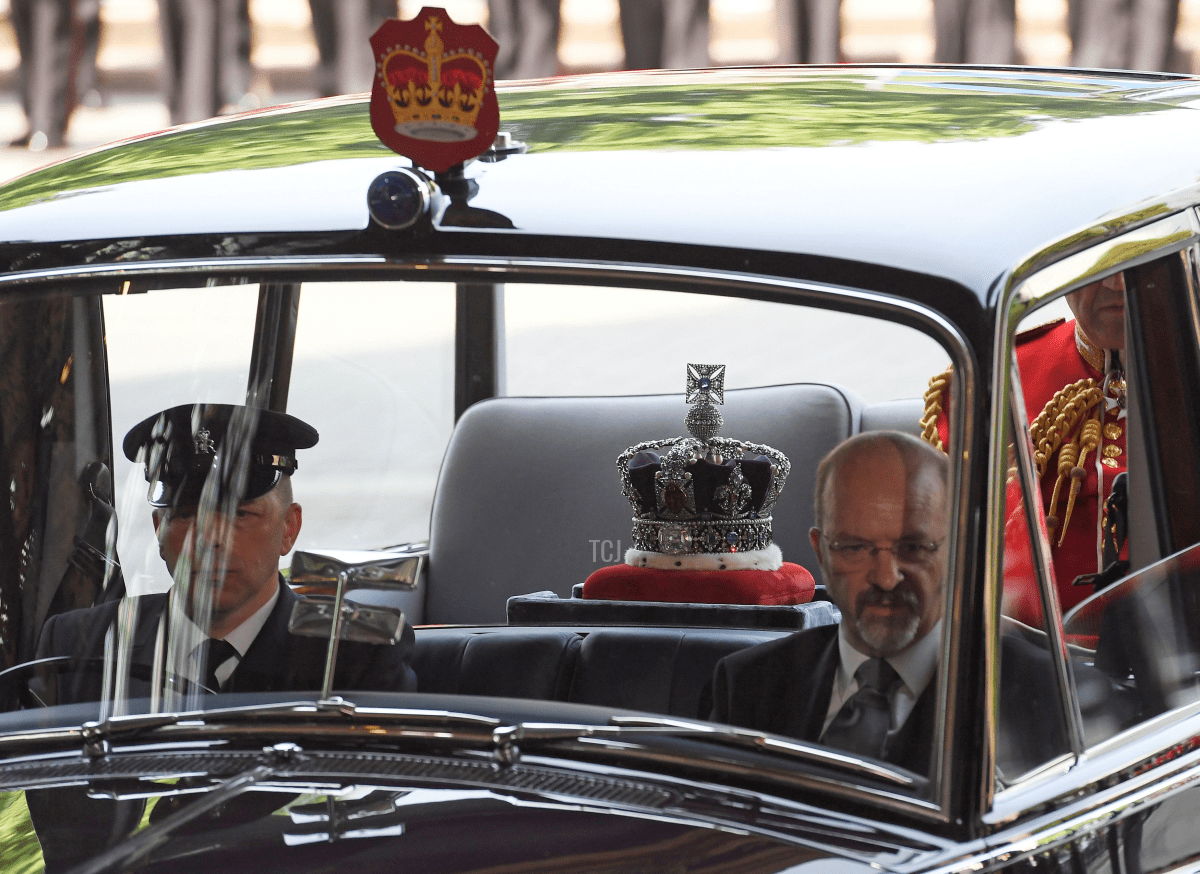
434, 96
204, 443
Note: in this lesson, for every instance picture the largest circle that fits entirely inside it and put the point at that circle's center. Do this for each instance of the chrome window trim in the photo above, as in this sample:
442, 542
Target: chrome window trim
1043, 561
668, 277
1173, 233
1192, 262
1119, 754
1063, 824
1154, 240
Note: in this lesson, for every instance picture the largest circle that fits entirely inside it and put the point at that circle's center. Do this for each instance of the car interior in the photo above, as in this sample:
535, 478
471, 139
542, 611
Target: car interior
470, 432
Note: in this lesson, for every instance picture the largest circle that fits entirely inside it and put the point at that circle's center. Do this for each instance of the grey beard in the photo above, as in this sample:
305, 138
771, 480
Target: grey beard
889, 638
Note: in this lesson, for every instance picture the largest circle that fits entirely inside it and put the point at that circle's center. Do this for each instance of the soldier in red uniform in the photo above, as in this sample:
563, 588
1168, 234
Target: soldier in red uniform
1073, 381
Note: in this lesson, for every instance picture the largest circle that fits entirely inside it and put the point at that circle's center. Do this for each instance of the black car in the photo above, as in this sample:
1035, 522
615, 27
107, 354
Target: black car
476, 348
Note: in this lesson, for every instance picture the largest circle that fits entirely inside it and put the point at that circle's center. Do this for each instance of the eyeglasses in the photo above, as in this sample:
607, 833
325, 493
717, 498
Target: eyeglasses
859, 554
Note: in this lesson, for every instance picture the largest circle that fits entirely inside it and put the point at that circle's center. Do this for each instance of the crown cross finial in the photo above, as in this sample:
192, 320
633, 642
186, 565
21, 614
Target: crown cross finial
705, 384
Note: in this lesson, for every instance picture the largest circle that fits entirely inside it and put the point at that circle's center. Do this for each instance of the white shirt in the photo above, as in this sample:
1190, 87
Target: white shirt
190, 639
915, 665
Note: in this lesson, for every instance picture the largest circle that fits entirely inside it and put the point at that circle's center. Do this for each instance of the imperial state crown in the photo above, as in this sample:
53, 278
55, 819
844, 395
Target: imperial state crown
702, 515
702, 494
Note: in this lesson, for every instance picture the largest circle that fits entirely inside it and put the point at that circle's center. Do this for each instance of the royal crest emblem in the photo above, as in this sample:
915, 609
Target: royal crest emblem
434, 97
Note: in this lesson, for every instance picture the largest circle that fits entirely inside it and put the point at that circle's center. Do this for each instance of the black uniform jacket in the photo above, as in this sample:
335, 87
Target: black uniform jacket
277, 661
783, 687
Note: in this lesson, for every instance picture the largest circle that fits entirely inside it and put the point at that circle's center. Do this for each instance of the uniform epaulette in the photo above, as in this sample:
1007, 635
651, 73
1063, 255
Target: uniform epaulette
1037, 331
938, 387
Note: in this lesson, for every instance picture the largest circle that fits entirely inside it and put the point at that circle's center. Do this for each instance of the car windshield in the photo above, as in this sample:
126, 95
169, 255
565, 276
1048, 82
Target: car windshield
233, 462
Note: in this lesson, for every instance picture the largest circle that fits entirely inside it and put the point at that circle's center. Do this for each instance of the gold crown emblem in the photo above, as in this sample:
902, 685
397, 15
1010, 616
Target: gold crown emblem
434, 94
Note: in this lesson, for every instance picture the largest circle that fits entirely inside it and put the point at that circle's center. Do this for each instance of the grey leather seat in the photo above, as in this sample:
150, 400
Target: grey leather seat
903, 415
529, 492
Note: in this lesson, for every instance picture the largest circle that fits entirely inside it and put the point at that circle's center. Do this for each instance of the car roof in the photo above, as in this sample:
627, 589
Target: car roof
958, 173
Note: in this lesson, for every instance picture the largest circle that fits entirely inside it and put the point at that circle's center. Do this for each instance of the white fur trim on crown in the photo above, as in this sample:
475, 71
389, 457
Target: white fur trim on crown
769, 559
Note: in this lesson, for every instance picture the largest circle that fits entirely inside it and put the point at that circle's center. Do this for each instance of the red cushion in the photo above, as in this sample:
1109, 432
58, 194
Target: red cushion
791, 584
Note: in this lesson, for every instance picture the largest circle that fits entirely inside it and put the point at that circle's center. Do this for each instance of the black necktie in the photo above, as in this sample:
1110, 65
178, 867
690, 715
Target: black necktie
861, 726
215, 653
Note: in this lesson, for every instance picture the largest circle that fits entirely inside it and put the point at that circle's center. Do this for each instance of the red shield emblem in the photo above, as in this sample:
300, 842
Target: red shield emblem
434, 98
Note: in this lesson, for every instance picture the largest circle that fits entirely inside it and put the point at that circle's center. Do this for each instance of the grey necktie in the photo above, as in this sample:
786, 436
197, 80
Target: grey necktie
861, 726
215, 653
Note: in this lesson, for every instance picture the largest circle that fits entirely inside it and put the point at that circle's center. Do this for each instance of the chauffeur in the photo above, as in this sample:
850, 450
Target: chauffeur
1074, 386
220, 488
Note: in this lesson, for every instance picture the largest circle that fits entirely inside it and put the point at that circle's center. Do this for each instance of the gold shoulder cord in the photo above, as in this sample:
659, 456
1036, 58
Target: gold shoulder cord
933, 408
1055, 429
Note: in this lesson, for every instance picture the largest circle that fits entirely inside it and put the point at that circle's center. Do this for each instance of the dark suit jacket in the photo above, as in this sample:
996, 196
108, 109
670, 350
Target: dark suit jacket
783, 686
72, 826
277, 661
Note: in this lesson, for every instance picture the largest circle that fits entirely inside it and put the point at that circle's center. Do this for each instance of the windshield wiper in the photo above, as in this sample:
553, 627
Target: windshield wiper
98, 736
509, 740
505, 741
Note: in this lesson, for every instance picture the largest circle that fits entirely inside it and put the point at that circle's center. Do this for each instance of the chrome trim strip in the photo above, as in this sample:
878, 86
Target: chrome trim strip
1113, 757
690, 279
1043, 566
997, 473
1137, 247
1107, 228
962, 400
631, 727
195, 265
1191, 259
57, 736
1065, 823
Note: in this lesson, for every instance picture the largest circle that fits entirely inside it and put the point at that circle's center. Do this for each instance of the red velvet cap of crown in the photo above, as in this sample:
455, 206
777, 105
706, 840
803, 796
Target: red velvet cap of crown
434, 96
791, 584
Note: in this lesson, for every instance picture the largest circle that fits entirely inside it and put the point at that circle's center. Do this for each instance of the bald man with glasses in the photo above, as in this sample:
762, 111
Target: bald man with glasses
866, 686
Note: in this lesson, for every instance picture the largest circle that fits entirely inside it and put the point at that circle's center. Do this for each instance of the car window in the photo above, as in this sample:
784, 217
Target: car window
167, 348
370, 359
616, 341
1096, 557
522, 502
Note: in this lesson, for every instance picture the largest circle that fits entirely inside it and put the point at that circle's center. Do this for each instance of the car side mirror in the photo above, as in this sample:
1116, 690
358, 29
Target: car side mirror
323, 579
319, 572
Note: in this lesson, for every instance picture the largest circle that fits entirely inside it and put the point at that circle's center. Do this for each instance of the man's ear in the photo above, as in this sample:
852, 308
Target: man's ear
814, 534
293, 518
156, 515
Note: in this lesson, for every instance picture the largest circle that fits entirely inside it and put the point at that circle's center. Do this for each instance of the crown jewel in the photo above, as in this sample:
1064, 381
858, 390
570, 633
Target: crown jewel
703, 493
434, 94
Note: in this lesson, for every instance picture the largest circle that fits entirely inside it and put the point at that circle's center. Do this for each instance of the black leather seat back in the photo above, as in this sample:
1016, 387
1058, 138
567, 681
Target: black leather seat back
518, 663
658, 670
